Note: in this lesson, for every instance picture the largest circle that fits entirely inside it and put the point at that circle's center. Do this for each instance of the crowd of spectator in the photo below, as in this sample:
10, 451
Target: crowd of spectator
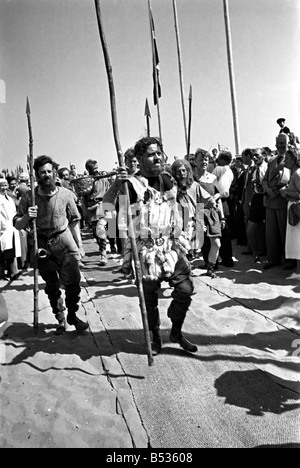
252, 196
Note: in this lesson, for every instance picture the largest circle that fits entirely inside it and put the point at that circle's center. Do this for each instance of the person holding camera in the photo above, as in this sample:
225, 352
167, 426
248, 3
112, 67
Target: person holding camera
59, 240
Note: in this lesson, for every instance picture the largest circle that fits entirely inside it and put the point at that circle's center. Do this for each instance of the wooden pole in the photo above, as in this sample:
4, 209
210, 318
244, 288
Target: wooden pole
35, 242
180, 73
136, 259
190, 122
155, 70
231, 78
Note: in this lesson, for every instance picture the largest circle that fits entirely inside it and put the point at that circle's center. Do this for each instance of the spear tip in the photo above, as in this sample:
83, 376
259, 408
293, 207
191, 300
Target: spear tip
147, 110
190, 95
27, 106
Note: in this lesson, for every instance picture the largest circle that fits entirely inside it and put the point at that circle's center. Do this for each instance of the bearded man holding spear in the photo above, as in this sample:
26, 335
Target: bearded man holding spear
160, 242
57, 218
121, 164
159, 251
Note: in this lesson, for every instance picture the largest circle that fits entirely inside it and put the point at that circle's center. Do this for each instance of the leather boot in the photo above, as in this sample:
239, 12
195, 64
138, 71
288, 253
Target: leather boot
157, 342
177, 337
80, 326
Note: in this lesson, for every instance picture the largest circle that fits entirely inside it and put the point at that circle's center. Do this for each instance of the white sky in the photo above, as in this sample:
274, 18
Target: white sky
51, 52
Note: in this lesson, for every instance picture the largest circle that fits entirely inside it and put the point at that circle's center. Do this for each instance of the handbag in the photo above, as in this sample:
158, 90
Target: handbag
294, 213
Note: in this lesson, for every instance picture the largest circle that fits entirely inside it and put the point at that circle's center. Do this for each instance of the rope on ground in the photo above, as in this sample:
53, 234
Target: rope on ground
221, 293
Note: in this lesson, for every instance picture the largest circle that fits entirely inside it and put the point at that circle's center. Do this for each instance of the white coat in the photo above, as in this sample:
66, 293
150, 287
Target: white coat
8, 233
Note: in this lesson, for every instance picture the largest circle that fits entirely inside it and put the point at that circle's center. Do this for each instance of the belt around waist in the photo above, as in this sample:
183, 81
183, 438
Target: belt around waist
50, 236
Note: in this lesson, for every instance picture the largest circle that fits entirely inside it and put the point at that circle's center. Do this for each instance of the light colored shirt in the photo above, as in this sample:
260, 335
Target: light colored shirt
55, 212
224, 180
9, 236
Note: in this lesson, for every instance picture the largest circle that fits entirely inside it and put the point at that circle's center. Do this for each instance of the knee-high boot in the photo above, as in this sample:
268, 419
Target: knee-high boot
176, 336
72, 303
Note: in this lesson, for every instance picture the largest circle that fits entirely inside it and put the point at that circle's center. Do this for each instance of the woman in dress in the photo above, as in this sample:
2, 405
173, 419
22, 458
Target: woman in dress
213, 217
292, 193
193, 199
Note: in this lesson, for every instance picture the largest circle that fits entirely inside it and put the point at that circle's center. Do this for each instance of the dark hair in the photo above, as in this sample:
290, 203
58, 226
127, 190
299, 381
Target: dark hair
42, 160
129, 154
187, 156
10, 178
141, 145
61, 170
266, 149
183, 162
90, 164
247, 152
225, 156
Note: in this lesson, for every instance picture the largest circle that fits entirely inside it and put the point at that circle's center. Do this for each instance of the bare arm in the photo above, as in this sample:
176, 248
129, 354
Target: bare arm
75, 230
21, 221
112, 193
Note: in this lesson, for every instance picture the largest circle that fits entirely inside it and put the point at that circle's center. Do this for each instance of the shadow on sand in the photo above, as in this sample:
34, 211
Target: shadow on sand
254, 391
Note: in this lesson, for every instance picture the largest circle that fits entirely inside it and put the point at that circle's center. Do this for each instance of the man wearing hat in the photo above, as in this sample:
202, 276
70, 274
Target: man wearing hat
283, 128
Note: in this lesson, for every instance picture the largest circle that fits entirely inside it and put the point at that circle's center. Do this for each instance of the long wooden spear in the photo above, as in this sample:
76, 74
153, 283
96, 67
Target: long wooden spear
155, 70
180, 73
35, 242
231, 79
190, 122
136, 259
148, 116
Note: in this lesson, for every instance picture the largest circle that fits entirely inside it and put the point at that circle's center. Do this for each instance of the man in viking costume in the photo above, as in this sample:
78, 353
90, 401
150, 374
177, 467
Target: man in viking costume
160, 241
